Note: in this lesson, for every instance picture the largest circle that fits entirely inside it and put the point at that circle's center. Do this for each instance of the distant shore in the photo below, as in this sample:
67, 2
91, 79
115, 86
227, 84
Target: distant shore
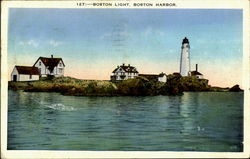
138, 86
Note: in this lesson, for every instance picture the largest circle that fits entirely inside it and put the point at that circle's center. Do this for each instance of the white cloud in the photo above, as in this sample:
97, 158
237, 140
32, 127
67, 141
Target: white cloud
29, 42
55, 43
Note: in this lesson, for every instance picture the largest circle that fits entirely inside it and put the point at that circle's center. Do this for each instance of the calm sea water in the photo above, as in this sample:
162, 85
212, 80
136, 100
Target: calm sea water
207, 121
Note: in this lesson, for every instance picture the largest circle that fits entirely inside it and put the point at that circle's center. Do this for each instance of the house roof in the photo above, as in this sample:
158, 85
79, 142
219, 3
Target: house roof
50, 62
162, 74
193, 73
128, 68
27, 70
152, 76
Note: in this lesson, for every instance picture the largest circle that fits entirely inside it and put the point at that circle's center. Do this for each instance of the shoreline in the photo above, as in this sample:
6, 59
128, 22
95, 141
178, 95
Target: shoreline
140, 86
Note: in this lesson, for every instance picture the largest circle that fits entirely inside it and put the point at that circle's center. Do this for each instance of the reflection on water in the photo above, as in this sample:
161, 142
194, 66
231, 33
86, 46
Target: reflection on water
207, 121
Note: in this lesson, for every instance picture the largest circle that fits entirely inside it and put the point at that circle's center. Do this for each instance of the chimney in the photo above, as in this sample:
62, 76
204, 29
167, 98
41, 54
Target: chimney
123, 64
128, 65
196, 69
51, 56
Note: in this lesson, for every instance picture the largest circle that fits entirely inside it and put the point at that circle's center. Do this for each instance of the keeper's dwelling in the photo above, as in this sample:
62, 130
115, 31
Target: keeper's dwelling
124, 72
25, 73
50, 66
43, 67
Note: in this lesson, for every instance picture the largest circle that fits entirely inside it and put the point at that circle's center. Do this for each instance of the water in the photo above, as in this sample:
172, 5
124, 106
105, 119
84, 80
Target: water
208, 121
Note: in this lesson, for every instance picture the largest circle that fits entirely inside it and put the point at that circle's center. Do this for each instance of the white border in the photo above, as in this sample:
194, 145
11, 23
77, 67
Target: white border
192, 4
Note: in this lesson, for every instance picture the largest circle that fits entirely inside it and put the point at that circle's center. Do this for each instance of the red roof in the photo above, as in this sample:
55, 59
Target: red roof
50, 62
27, 70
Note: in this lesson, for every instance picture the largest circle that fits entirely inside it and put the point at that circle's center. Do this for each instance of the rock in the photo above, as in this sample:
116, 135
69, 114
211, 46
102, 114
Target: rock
235, 88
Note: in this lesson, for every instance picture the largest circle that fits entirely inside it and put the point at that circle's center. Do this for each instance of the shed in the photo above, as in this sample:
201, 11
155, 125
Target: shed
25, 73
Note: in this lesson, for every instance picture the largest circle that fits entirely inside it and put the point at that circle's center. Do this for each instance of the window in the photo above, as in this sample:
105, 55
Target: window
30, 76
39, 69
40, 63
60, 70
60, 64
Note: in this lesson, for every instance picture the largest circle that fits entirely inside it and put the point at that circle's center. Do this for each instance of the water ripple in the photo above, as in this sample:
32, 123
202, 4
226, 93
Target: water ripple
60, 106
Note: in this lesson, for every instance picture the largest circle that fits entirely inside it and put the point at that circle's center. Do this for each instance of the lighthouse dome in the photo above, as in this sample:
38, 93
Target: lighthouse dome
185, 41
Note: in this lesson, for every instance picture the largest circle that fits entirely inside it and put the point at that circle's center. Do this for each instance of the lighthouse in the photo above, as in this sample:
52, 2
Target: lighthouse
185, 58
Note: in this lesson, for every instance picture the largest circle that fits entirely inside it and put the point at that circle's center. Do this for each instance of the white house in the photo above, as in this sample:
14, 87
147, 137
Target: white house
195, 73
124, 72
162, 77
25, 73
50, 66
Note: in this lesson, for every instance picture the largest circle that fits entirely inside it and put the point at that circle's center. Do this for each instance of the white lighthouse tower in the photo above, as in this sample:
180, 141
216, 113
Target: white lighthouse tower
185, 58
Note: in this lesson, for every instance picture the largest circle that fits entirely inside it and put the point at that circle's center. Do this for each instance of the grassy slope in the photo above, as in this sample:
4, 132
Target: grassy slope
67, 86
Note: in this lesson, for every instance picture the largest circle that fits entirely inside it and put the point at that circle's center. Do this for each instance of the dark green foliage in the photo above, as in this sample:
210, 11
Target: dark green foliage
194, 84
139, 86
173, 86
235, 88
136, 86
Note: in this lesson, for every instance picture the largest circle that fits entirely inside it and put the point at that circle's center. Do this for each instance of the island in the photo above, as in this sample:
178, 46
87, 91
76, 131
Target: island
47, 75
139, 86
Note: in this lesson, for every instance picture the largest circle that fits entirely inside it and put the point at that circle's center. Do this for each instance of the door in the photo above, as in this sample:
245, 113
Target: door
14, 78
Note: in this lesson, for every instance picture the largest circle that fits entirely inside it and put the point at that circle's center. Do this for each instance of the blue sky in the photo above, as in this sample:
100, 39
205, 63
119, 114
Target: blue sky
92, 42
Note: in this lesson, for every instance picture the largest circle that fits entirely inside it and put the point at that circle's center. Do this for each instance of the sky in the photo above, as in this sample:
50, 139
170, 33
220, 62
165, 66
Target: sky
93, 42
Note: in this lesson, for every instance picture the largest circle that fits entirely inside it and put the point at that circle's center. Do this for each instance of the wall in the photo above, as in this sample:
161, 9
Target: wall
42, 67
27, 77
56, 70
162, 79
199, 76
14, 72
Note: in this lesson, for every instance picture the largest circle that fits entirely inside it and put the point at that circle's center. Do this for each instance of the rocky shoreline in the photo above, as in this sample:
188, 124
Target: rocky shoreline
139, 86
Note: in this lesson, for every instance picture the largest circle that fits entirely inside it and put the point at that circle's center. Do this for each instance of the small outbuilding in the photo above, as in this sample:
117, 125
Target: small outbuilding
196, 74
25, 73
162, 77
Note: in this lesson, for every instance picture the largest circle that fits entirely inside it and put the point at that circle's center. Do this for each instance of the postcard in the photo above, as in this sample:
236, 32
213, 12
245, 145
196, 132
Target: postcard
125, 79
